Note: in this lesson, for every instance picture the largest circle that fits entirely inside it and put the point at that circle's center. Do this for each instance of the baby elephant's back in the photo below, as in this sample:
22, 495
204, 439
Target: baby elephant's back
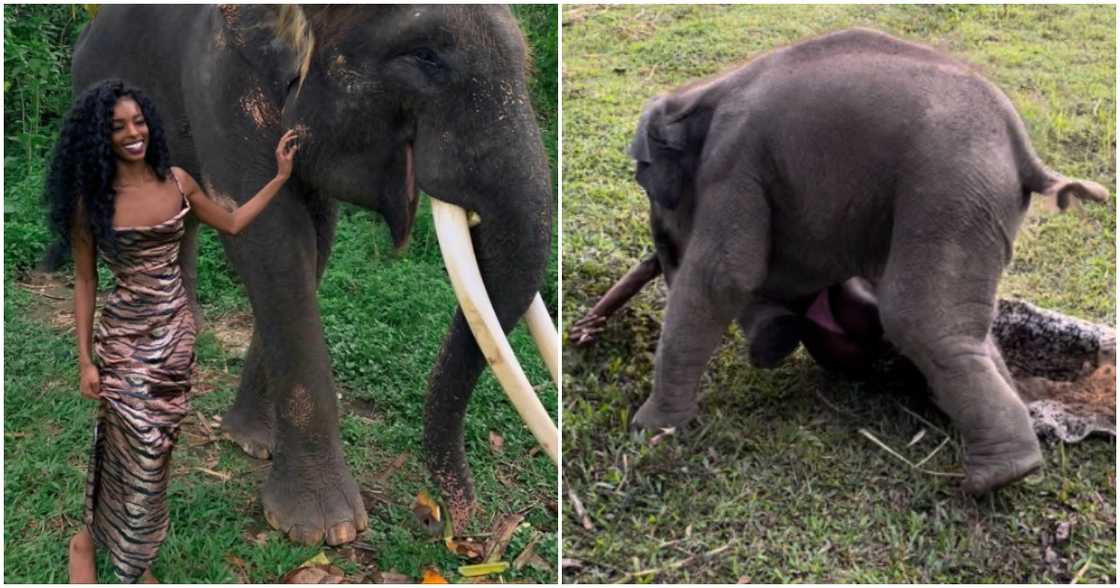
856, 120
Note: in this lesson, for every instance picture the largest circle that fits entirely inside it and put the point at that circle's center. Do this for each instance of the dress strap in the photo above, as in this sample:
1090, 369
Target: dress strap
178, 185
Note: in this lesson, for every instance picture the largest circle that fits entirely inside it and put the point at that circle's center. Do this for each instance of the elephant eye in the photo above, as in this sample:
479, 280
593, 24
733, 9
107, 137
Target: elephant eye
427, 57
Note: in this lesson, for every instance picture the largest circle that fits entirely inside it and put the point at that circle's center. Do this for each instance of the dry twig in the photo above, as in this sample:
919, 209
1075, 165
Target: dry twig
1081, 572
899, 456
926, 422
581, 513
223, 476
629, 576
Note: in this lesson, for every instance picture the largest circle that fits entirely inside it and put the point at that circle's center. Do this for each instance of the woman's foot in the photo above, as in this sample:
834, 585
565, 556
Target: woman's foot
83, 570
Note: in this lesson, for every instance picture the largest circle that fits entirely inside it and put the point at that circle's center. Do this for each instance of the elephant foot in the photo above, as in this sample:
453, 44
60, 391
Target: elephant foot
652, 417
986, 471
251, 432
314, 504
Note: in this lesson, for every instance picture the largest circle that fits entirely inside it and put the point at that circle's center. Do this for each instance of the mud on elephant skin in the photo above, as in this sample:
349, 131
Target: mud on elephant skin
851, 154
387, 99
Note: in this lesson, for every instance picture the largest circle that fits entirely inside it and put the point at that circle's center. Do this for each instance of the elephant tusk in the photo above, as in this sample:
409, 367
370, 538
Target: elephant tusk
545, 336
462, 267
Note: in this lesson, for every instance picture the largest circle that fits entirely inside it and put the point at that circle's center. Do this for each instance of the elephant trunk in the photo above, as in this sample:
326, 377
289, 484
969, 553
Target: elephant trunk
513, 197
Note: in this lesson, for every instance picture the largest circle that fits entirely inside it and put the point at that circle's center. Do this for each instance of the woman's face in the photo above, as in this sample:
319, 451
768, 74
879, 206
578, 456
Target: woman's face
130, 130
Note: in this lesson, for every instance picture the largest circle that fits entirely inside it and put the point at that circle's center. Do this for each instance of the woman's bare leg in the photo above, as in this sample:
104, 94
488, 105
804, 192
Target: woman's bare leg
83, 569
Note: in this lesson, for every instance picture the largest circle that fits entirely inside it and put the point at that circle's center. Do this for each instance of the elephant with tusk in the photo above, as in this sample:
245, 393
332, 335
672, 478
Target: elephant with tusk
387, 100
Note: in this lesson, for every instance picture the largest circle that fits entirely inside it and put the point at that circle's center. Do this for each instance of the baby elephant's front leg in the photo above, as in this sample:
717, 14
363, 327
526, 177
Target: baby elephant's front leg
723, 265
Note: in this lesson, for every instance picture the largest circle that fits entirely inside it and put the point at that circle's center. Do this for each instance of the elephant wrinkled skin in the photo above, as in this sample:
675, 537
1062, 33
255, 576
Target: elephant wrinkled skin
386, 99
852, 154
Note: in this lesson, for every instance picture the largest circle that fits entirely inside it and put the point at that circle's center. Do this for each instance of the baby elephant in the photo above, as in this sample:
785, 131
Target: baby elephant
852, 154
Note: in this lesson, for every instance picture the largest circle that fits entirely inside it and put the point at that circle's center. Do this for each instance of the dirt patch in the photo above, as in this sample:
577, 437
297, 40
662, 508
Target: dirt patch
55, 292
263, 112
233, 331
300, 407
1094, 393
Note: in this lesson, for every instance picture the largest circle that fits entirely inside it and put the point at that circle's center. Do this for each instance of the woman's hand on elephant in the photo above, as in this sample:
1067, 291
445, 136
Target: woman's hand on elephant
286, 153
90, 382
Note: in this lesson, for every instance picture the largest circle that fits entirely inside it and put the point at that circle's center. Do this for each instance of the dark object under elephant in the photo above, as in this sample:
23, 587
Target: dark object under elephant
386, 99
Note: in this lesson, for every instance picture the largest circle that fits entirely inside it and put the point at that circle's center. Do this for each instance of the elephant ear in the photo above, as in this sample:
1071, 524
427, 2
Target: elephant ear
670, 137
277, 41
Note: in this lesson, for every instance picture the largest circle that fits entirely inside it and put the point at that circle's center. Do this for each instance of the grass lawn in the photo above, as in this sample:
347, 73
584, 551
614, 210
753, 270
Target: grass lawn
383, 338
775, 484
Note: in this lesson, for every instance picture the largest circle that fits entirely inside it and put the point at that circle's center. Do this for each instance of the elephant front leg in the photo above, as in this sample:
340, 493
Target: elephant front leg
309, 494
724, 263
250, 422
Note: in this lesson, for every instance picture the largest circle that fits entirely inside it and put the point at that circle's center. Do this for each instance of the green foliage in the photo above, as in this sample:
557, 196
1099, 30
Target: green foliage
37, 41
776, 479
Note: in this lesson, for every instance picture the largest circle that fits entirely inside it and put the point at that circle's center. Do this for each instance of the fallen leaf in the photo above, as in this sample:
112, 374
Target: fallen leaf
242, 568
465, 548
391, 577
319, 559
537, 563
484, 569
501, 534
1061, 534
396, 465
527, 553
917, 438
427, 513
496, 442
431, 576
327, 574
257, 539
665, 433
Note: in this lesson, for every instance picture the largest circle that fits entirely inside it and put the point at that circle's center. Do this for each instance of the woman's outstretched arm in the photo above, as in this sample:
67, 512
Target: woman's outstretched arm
232, 222
85, 292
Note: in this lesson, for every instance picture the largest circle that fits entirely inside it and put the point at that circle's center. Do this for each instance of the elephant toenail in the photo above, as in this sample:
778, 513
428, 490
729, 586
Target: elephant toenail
272, 520
305, 535
362, 520
341, 533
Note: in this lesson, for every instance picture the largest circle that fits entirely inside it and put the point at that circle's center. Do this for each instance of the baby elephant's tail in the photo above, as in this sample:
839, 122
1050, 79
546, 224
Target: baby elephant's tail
1051, 184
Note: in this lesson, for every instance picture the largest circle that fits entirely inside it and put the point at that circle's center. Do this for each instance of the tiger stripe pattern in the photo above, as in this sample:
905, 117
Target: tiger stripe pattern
144, 343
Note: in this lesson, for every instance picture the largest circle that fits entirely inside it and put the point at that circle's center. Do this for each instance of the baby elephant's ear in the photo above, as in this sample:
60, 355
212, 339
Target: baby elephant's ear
668, 132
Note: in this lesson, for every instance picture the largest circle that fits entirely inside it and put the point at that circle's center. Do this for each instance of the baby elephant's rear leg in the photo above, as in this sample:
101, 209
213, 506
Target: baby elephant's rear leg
773, 332
969, 384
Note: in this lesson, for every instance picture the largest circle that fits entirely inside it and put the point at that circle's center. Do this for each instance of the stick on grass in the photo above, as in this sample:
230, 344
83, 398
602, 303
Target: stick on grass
898, 456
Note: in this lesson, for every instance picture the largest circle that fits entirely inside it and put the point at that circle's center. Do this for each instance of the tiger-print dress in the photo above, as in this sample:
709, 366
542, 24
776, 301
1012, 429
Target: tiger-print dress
145, 346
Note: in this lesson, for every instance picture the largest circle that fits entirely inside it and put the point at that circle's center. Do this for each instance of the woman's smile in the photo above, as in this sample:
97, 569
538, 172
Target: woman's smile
130, 130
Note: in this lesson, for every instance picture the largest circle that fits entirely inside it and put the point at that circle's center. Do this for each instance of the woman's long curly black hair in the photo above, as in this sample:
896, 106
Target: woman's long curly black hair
83, 166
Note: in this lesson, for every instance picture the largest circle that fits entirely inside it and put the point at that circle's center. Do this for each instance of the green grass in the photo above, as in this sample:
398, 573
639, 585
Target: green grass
384, 317
773, 480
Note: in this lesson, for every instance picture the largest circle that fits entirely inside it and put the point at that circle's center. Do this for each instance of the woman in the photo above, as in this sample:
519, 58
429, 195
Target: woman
111, 189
